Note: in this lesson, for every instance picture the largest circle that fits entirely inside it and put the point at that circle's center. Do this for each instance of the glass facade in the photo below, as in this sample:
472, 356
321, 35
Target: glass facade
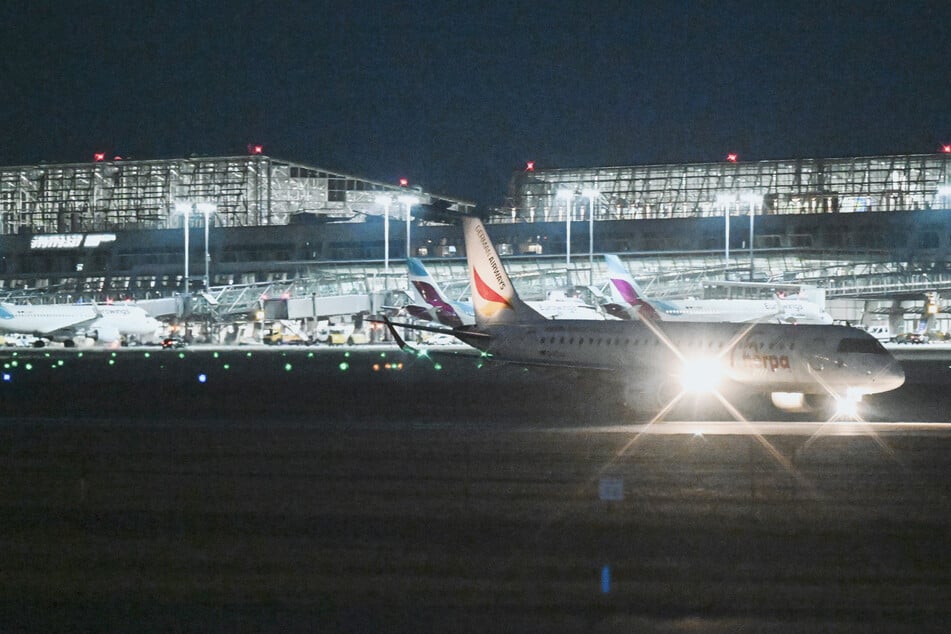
779, 187
246, 191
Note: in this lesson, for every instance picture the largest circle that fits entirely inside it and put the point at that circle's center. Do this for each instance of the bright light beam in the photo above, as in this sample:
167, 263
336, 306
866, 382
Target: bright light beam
835, 418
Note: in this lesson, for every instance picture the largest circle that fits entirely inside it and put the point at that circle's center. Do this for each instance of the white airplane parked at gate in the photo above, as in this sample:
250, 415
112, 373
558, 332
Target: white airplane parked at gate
800, 366
106, 323
630, 302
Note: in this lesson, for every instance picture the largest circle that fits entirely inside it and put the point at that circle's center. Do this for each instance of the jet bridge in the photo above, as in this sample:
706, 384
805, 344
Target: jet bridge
311, 297
315, 307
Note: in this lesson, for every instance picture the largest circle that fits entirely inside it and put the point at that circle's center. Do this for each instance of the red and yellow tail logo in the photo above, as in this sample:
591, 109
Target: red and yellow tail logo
489, 295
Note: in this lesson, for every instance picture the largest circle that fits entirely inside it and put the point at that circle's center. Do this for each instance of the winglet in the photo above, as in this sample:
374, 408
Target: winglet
396, 336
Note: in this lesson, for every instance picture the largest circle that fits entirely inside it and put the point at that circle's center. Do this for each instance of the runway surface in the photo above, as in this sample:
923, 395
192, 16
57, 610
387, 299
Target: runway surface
457, 520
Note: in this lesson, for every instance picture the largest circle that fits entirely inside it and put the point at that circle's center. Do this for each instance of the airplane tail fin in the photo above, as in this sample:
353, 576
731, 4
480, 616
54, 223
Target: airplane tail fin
629, 299
493, 296
623, 287
429, 291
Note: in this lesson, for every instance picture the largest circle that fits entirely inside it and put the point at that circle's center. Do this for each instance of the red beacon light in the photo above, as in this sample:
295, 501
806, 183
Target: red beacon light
255, 149
530, 166
404, 182
946, 148
99, 157
732, 157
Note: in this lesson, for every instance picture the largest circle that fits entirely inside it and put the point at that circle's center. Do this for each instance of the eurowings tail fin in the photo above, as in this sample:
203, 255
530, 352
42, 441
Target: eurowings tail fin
627, 295
623, 287
493, 296
429, 291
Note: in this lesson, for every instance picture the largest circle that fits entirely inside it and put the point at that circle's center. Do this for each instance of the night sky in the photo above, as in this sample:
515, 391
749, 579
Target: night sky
457, 95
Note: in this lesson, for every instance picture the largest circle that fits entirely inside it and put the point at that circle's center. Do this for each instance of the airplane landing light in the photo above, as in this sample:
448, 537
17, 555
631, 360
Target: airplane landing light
701, 375
848, 406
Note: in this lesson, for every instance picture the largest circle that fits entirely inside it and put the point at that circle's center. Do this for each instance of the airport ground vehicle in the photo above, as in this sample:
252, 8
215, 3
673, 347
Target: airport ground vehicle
18, 340
340, 335
173, 342
279, 337
912, 337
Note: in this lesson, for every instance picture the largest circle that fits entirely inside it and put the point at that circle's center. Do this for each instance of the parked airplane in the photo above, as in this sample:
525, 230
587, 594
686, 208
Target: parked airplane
800, 366
106, 323
629, 301
436, 306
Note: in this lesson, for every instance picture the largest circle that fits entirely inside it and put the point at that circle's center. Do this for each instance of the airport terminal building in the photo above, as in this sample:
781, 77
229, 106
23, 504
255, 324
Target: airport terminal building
858, 226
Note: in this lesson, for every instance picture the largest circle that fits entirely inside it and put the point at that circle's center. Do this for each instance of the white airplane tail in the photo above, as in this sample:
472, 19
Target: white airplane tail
435, 303
624, 289
493, 296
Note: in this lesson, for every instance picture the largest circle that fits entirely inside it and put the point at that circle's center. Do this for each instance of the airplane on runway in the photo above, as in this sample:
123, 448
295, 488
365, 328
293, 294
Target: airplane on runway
802, 367
106, 323
440, 308
630, 302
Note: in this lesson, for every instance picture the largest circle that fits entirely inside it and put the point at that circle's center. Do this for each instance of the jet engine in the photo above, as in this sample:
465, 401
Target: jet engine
799, 403
105, 334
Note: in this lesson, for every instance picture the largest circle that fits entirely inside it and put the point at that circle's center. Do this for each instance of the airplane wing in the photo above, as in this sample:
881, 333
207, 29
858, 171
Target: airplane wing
403, 345
455, 332
469, 333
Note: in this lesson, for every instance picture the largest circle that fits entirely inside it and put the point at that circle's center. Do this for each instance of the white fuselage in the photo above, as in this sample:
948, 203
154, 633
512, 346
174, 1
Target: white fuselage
127, 320
105, 321
741, 310
761, 357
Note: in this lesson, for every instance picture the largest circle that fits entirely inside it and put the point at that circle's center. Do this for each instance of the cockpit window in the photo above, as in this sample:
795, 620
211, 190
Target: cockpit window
869, 346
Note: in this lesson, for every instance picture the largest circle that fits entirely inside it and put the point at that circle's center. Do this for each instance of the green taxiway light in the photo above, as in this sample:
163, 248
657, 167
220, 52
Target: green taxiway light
288, 367
181, 355
112, 361
227, 366
344, 366
28, 366
215, 355
148, 355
